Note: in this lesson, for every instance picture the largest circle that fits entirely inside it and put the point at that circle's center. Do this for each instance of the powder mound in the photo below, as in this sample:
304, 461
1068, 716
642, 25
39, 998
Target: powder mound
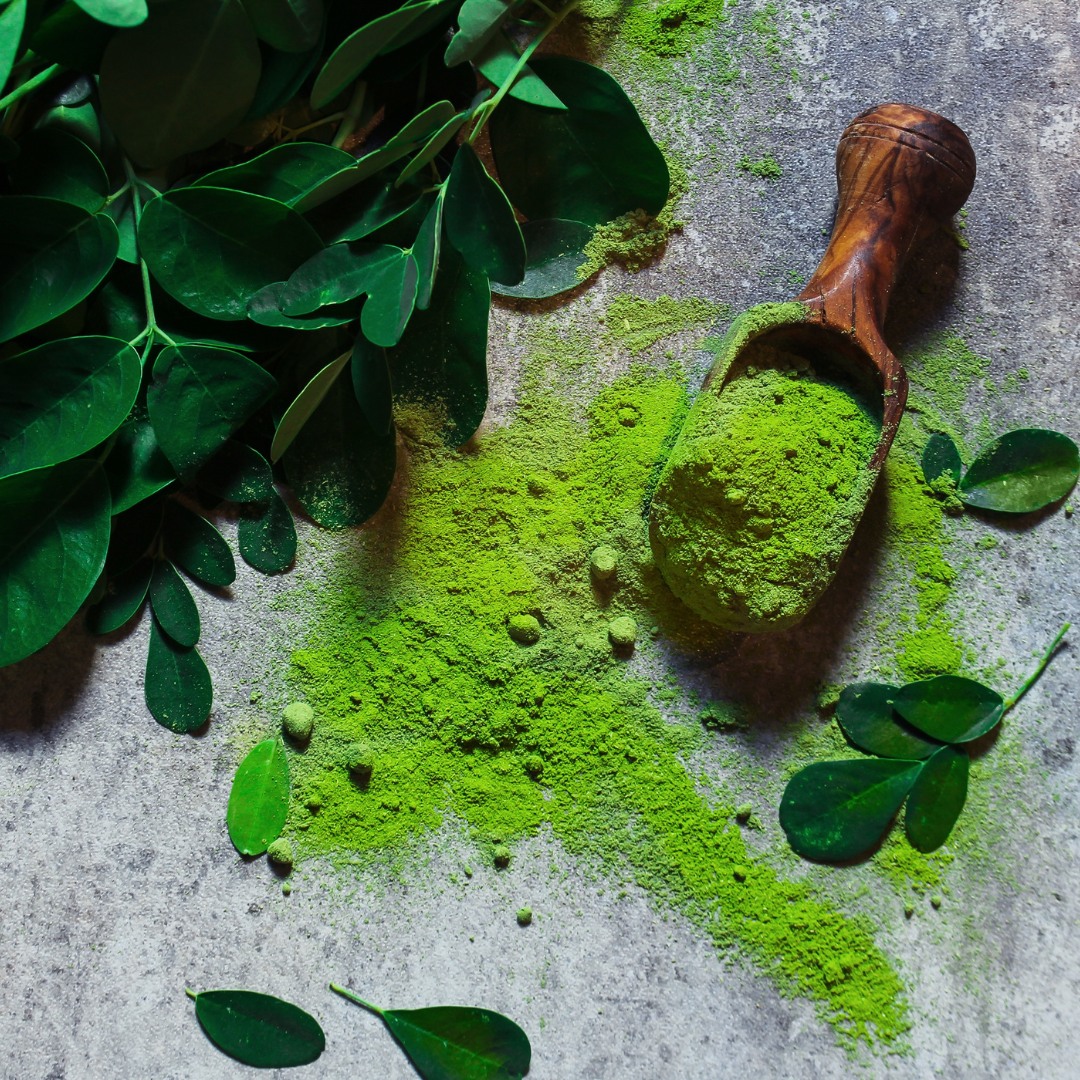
762, 492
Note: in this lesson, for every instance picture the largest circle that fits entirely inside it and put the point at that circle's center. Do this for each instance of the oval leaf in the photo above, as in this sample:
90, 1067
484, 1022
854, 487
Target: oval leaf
941, 458
866, 716
115, 12
197, 547
478, 21
433, 147
136, 467
1022, 471
177, 688
427, 250
54, 534
289, 173
304, 404
838, 810
263, 308
56, 165
499, 58
12, 19
554, 249
950, 708
258, 1029
259, 799
289, 25
173, 605
267, 536
238, 473
180, 81
123, 601
937, 798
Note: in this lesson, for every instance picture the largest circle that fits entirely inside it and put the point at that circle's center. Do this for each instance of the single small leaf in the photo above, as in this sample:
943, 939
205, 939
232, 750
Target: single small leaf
122, 13
197, 547
371, 385
181, 80
136, 467
12, 19
865, 714
427, 250
267, 536
56, 165
304, 404
173, 605
54, 533
480, 221
123, 601
1022, 471
64, 398
949, 707
554, 249
199, 397
237, 473
289, 25
122, 212
834, 811
478, 21
289, 172
52, 255
177, 685
424, 124
376, 205
497, 60
264, 309
258, 1029
434, 145
259, 799
941, 458
936, 799
214, 248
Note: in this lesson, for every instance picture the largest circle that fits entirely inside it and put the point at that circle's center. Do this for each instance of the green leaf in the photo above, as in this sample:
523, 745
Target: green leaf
64, 398
289, 172
434, 145
54, 164
282, 76
173, 605
590, 163
498, 59
259, 799
442, 358
304, 404
197, 547
340, 469
289, 25
478, 22
115, 12
12, 20
181, 81
122, 212
177, 686
480, 221
354, 54
199, 397
214, 248
371, 385
264, 309
554, 249
259, 1030
70, 37
54, 533
838, 810
238, 473
123, 600
427, 250
52, 255
937, 798
267, 536
1022, 471
865, 714
378, 205
949, 708
941, 458
136, 467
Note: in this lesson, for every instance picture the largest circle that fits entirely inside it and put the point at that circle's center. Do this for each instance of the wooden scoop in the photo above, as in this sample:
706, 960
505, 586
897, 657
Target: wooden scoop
898, 168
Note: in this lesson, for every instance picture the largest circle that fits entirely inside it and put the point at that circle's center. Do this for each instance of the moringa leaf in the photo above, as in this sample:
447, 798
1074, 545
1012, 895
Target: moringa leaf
949, 707
478, 22
264, 309
304, 404
554, 249
237, 473
123, 600
197, 547
289, 172
64, 398
56, 165
1022, 471
865, 714
177, 684
258, 1029
834, 811
498, 58
259, 799
937, 798
434, 145
282, 76
54, 534
377, 204
427, 250
288, 25
136, 467
12, 20
121, 13
941, 458
173, 605
371, 385
70, 37
267, 536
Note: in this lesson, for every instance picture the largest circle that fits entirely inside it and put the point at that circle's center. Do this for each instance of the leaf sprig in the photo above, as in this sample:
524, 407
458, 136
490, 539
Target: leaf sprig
918, 734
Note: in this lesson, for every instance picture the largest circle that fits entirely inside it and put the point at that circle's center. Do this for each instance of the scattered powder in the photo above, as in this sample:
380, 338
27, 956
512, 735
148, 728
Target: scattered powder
765, 168
636, 325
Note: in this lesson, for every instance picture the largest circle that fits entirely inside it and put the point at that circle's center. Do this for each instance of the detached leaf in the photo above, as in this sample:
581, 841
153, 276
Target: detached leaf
259, 799
950, 708
238, 473
289, 25
289, 172
123, 601
199, 397
478, 21
258, 1029
56, 165
937, 798
177, 686
591, 162
115, 12
480, 221
197, 547
64, 398
181, 80
1022, 471
554, 249
941, 458
54, 533
267, 536
173, 605
136, 467
52, 255
865, 714
498, 59
838, 810
304, 404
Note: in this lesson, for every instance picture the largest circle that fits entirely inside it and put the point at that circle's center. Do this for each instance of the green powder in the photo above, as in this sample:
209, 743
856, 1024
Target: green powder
409, 653
636, 325
765, 168
762, 492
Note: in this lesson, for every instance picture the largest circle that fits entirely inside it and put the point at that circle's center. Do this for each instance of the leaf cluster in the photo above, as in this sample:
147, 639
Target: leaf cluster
233, 233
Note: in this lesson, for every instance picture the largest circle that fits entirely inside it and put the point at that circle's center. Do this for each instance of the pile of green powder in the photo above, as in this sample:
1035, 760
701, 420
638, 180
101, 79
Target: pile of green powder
762, 492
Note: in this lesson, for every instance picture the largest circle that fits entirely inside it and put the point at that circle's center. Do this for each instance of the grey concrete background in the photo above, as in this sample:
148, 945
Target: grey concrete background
120, 886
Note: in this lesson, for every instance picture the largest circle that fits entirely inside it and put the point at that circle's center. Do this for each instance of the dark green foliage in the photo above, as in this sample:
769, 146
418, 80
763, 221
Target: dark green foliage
177, 685
936, 798
554, 249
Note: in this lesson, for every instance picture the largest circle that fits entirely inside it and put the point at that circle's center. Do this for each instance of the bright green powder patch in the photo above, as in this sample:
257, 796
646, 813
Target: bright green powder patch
636, 324
411, 658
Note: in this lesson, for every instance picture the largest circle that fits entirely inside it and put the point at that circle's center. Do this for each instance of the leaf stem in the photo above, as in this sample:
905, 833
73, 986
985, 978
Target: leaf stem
352, 115
152, 330
29, 86
190, 993
355, 999
1033, 678
118, 193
